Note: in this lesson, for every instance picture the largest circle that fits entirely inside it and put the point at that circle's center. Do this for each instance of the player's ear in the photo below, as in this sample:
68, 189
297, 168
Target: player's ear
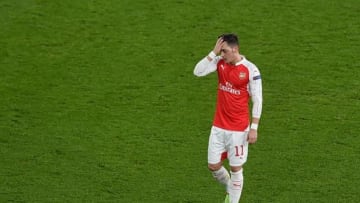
235, 49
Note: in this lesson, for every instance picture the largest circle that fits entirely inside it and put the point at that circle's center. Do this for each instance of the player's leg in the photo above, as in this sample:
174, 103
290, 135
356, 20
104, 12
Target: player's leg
215, 150
237, 154
220, 173
236, 184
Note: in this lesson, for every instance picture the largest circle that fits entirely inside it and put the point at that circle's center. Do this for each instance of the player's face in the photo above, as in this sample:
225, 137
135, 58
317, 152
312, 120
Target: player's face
228, 53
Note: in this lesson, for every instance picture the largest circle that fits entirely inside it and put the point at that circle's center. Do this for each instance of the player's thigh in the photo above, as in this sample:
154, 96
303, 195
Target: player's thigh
216, 145
237, 147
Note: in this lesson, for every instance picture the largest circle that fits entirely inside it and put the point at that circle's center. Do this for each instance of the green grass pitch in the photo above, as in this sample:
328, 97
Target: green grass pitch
98, 102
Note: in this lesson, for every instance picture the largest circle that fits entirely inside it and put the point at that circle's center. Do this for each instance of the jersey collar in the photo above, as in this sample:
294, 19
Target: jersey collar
242, 60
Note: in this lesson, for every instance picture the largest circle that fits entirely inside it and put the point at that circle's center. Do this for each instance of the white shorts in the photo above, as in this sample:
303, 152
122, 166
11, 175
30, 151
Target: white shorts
233, 142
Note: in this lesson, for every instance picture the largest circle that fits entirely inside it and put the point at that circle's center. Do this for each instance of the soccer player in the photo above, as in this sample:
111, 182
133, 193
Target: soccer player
238, 80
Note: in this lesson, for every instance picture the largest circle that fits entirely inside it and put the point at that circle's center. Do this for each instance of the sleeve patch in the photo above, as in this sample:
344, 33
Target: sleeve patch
257, 77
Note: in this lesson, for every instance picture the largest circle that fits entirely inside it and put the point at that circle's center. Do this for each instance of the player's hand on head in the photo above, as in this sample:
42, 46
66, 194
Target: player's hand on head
218, 45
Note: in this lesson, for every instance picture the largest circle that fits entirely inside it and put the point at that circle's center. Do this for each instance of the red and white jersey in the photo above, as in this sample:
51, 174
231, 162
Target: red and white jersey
236, 84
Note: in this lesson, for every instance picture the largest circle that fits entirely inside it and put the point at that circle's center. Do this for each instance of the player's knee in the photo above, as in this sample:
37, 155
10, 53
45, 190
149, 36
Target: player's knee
235, 168
214, 167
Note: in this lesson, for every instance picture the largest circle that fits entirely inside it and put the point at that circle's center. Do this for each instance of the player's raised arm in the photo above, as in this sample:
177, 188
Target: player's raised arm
208, 64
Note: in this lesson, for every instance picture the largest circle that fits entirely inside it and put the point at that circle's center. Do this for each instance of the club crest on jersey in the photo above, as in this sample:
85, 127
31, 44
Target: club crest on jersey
242, 75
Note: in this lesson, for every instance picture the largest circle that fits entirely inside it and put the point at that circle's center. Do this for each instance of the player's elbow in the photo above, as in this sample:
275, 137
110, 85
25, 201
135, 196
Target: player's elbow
198, 73
257, 101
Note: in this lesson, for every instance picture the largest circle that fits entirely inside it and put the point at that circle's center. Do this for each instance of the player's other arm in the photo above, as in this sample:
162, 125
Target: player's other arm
256, 96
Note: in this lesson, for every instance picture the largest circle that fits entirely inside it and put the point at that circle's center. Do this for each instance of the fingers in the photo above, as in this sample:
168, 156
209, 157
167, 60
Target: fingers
219, 40
218, 45
252, 141
252, 137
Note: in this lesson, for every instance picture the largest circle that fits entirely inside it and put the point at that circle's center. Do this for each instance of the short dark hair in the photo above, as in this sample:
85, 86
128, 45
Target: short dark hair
231, 39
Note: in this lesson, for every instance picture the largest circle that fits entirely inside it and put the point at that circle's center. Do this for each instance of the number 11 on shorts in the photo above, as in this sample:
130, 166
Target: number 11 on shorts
241, 152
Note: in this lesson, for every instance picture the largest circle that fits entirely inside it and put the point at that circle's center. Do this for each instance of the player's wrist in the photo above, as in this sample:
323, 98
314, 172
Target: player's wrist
254, 126
212, 55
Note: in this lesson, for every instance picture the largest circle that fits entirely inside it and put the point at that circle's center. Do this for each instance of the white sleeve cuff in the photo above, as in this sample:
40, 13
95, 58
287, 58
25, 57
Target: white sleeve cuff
212, 55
